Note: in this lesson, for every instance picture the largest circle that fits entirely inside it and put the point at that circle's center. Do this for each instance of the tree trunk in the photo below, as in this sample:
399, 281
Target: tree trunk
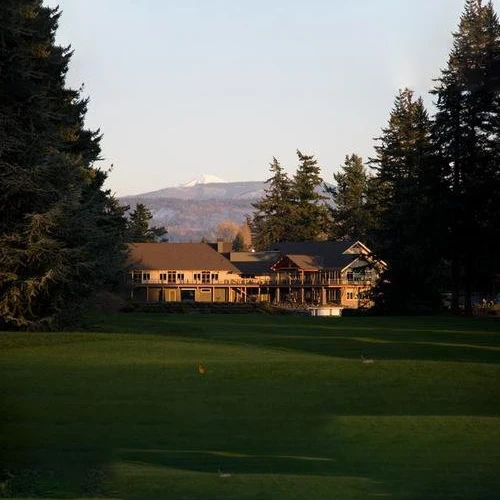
468, 285
455, 280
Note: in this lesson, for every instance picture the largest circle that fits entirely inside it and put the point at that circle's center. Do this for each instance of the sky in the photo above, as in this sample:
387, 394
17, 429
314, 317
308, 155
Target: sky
181, 88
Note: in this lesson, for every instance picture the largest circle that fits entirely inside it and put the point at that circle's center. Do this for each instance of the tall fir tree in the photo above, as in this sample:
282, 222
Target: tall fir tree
467, 131
350, 218
61, 233
239, 243
272, 215
403, 196
310, 217
139, 229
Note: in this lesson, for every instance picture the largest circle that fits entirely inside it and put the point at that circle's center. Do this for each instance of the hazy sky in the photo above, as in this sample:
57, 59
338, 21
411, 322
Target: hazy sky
185, 87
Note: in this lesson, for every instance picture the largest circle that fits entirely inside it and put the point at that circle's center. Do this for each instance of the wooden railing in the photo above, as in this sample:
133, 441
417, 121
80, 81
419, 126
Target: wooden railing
258, 282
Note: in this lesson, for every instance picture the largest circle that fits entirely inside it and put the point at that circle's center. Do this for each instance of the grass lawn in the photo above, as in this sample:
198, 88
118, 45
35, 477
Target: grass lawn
286, 409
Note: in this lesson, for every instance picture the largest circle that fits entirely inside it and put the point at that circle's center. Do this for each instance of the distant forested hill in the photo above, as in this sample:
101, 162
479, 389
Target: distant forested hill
190, 213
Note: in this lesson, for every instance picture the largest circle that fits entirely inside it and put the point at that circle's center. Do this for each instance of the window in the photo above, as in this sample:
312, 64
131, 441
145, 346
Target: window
359, 274
180, 277
169, 276
215, 277
204, 276
146, 277
351, 295
333, 295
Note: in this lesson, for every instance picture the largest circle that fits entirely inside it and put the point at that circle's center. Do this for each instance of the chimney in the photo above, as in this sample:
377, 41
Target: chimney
224, 247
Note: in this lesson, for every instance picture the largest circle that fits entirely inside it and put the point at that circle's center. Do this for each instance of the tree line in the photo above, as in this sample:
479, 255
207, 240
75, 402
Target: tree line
427, 202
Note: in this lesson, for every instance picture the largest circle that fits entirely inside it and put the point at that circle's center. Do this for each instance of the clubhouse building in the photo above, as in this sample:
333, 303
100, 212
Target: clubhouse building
323, 273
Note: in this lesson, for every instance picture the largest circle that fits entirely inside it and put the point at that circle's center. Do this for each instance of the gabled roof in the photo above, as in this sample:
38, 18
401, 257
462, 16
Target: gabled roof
254, 263
359, 262
302, 262
330, 253
358, 248
178, 257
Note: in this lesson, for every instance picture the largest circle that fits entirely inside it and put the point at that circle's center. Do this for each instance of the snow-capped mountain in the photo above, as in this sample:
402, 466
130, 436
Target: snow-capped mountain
210, 191
203, 179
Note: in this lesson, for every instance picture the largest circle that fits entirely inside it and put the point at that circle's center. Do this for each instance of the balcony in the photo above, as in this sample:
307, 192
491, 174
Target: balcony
272, 281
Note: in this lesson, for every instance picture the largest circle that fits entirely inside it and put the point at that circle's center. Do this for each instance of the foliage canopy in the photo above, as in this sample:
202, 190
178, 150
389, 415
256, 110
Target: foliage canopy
60, 230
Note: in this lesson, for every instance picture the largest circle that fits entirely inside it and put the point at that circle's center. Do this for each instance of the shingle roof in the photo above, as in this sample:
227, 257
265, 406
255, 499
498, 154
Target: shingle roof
307, 262
330, 253
254, 263
178, 256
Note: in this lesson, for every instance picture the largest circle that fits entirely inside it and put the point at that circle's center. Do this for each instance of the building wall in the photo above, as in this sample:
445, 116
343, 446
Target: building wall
342, 295
221, 295
167, 276
203, 295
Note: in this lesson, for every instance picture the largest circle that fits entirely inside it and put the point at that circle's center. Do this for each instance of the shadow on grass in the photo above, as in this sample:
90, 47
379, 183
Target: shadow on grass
232, 463
431, 339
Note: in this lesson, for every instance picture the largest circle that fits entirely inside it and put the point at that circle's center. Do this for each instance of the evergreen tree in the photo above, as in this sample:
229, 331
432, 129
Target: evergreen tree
467, 131
310, 218
138, 226
238, 242
270, 221
60, 232
350, 217
403, 197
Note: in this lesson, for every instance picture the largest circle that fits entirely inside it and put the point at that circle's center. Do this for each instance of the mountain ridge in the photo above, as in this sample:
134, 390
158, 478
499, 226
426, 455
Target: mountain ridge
210, 190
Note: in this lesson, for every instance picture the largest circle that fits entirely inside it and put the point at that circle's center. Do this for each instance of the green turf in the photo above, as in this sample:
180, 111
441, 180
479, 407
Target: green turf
286, 407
